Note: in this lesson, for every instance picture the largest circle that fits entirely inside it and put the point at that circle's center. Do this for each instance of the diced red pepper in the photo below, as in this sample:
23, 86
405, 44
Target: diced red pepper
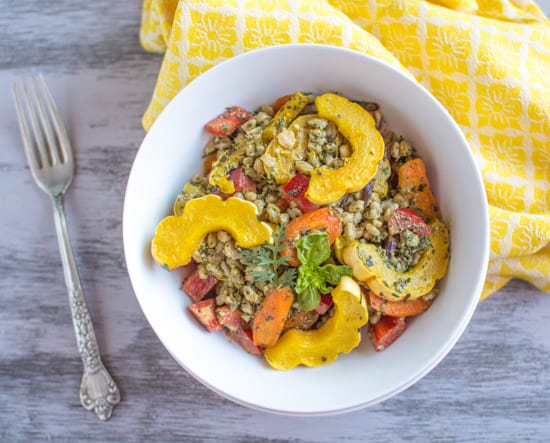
324, 304
190, 267
229, 121
241, 181
244, 338
295, 190
197, 287
407, 218
205, 312
386, 331
229, 318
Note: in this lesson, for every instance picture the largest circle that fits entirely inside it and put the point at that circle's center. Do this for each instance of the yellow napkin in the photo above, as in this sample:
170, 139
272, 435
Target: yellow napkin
486, 61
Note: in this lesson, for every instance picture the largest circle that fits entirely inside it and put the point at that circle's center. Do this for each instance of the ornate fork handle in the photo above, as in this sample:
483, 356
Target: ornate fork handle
98, 391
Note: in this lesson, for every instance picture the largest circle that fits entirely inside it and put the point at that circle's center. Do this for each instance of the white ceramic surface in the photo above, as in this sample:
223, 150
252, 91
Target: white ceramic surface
170, 154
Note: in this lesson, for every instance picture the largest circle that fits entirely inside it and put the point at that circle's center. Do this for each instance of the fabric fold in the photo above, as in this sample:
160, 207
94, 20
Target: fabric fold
486, 61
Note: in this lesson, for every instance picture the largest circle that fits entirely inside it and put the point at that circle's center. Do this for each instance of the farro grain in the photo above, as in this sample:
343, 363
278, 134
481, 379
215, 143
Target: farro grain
303, 167
223, 236
357, 206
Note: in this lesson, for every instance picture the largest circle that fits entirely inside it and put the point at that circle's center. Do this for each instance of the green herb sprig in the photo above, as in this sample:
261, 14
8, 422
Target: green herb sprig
269, 266
313, 279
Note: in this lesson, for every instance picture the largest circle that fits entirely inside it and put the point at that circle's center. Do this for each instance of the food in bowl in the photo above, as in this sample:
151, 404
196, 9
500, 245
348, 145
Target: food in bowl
311, 221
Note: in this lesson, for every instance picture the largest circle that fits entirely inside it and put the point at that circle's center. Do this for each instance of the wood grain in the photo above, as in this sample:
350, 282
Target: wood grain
493, 386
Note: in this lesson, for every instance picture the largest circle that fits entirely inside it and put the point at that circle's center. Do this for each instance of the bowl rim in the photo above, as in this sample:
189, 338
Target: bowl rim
484, 249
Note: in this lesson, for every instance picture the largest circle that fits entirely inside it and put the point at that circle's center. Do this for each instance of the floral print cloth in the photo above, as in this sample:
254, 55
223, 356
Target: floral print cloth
486, 61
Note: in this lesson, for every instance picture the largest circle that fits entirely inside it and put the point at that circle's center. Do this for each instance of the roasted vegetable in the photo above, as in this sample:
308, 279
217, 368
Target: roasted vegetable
380, 180
221, 168
278, 104
205, 312
285, 149
197, 287
243, 337
384, 332
189, 192
322, 219
357, 125
229, 121
400, 308
270, 318
339, 335
371, 266
407, 218
285, 115
413, 184
178, 237
295, 190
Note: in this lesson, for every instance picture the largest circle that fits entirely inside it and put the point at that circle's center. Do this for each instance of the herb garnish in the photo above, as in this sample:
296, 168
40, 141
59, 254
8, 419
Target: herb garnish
267, 262
313, 279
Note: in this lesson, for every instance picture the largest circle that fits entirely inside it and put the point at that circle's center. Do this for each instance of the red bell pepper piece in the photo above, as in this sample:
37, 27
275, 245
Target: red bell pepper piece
229, 121
386, 331
241, 181
244, 338
197, 287
230, 318
407, 218
205, 312
295, 190
324, 304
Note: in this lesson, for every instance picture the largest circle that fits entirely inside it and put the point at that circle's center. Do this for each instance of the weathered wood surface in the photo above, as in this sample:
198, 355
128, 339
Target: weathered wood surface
493, 386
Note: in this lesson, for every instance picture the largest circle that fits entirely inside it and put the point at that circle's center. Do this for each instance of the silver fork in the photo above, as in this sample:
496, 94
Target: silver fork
50, 157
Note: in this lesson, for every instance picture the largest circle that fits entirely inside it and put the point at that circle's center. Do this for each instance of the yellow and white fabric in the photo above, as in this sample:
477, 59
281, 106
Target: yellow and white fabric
486, 61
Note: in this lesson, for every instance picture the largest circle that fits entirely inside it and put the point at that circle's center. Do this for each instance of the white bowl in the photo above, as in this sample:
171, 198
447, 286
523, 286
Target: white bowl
171, 153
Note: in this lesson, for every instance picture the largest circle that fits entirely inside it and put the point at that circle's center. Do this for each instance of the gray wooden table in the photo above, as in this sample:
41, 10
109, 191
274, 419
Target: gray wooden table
494, 385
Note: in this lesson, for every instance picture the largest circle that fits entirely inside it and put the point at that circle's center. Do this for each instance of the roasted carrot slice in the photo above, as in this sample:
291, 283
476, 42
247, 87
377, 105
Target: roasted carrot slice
413, 184
319, 219
270, 319
401, 308
278, 104
209, 161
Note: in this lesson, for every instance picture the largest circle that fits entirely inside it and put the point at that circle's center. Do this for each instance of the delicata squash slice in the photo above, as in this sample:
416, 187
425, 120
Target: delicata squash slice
178, 237
279, 159
286, 114
339, 335
357, 125
372, 268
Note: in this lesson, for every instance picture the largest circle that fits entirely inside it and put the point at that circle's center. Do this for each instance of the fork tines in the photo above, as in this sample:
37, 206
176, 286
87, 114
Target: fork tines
44, 136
